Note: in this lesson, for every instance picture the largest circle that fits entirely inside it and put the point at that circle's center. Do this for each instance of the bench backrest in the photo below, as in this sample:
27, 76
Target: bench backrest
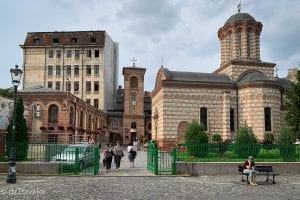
258, 168
264, 168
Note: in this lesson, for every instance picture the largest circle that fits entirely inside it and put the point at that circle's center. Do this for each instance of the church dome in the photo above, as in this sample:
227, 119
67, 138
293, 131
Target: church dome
252, 77
239, 17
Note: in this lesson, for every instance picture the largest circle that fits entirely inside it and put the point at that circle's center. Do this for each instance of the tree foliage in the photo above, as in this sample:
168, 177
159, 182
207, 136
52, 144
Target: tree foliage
246, 142
21, 132
196, 139
292, 116
6, 92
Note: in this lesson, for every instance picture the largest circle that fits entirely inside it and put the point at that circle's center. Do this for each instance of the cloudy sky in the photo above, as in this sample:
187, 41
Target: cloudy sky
182, 32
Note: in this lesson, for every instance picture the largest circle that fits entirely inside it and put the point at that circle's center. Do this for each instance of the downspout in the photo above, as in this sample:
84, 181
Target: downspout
82, 74
237, 110
45, 68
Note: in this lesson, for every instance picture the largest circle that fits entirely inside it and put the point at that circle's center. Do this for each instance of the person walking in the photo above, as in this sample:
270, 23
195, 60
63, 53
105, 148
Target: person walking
131, 154
108, 155
118, 154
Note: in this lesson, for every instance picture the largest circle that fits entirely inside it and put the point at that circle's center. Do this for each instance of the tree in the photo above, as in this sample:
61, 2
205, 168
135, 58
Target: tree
21, 132
6, 92
196, 139
286, 139
292, 116
246, 142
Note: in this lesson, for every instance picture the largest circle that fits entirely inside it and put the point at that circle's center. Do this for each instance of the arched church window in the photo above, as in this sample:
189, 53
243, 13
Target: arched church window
249, 33
203, 117
229, 45
239, 43
53, 114
134, 82
133, 125
268, 125
133, 102
231, 119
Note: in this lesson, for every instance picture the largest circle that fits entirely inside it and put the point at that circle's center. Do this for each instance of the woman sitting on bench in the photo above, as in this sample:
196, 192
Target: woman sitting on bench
249, 169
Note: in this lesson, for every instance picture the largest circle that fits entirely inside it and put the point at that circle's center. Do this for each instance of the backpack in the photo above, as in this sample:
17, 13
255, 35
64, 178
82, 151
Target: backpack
133, 152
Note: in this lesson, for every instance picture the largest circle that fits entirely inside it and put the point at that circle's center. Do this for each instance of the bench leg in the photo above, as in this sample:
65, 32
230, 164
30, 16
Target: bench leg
274, 179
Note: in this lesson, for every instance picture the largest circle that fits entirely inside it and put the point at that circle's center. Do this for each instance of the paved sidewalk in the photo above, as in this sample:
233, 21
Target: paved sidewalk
140, 166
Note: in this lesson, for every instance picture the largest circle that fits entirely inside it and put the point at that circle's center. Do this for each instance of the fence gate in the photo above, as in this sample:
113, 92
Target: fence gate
161, 161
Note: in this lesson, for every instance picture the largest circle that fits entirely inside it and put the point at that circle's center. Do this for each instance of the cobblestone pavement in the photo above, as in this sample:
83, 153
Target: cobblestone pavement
225, 187
136, 183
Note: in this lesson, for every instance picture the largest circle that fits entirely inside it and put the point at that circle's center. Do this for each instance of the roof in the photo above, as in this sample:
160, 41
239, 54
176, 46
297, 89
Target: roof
253, 77
284, 82
37, 89
65, 38
239, 17
196, 77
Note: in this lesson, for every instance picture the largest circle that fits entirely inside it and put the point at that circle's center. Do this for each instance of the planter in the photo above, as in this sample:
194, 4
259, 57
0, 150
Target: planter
61, 128
42, 128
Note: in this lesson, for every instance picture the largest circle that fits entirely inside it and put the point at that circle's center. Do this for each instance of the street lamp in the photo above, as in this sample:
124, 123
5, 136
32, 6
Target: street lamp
16, 75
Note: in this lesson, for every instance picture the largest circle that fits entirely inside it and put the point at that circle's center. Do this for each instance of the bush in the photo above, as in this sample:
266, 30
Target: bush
268, 141
216, 138
196, 140
286, 147
246, 143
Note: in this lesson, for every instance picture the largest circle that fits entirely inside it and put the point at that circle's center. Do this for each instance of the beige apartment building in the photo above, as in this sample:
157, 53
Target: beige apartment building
242, 89
83, 63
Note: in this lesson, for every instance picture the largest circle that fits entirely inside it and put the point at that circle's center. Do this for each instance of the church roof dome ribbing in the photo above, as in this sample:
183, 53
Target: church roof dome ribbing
239, 17
253, 77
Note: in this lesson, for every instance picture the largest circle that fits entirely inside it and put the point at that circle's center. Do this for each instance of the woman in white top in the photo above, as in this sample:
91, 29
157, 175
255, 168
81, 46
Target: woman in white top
131, 154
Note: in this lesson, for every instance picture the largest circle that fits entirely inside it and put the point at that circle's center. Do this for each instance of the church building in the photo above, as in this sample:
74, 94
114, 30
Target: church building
243, 89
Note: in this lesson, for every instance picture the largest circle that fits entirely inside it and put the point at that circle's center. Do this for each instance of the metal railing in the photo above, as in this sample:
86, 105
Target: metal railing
238, 152
71, 159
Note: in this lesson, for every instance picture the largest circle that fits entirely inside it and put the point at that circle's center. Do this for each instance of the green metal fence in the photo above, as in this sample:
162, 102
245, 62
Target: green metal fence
75, 159
238, 153
161, 161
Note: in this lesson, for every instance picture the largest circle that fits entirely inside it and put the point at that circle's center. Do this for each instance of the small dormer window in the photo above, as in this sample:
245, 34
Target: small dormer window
73, 40
37, 41
55, 40
93, 40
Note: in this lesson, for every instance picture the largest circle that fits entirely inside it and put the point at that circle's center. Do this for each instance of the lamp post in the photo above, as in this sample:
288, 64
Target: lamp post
16, 75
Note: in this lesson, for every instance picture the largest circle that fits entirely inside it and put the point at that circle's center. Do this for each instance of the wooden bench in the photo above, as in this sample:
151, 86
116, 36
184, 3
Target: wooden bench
259, 171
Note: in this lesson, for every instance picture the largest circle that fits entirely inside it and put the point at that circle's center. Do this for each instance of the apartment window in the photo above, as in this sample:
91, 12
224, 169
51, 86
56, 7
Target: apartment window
88, 70
88, 86
58, 53
69, 53
93, 40
231, 119
50, 70
57, 86
203, 117
114, 125
89, 53
58, 70
76, 70
74, 40
37, 41
76, 86
96, 103
50, 53
68, 70
50, 85
96, 53
55, 40
77, 54
268, 125
96, 86
96, 69
88, 101
68, 86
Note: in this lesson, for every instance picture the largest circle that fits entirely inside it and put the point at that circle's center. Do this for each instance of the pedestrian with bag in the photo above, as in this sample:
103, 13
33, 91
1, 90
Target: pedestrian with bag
108, 155
131, 154
118, 154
